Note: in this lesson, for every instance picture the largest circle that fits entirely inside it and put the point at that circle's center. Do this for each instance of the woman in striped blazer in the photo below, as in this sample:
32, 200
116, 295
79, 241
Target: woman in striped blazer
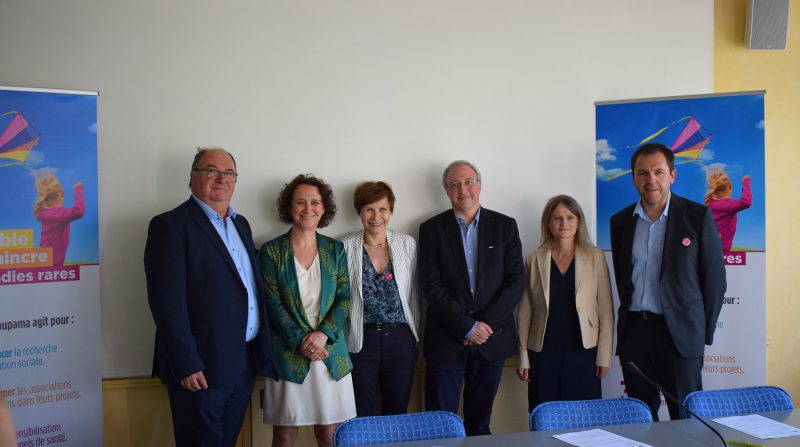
382, 332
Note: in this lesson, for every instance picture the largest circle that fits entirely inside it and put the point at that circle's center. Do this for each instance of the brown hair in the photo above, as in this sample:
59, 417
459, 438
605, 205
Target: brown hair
650, 149
325, 190
371, 192
581, 236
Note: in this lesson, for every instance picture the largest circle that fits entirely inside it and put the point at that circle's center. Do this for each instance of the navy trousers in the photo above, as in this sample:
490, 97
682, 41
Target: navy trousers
386, 362
480, 377
211, 417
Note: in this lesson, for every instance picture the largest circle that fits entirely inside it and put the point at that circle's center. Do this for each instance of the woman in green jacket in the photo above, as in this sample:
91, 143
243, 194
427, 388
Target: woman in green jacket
308, 300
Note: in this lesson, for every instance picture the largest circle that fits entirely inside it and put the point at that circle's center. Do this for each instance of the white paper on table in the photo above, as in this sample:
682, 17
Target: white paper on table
598, 438
758, 426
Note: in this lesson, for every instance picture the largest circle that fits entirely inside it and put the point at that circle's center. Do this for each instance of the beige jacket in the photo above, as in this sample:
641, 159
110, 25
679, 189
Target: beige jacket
592, 302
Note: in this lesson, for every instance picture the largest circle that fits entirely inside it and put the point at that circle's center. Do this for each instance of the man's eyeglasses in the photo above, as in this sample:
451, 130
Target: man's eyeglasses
467, 182
214, 173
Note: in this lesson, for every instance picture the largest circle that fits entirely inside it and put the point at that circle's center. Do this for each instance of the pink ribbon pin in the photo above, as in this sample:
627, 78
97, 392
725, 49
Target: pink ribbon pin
686, 242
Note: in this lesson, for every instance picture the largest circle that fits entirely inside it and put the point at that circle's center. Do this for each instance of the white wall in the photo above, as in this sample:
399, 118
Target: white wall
349, 90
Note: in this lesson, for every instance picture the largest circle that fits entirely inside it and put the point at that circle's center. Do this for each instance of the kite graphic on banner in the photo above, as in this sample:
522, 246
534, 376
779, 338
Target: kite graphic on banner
17, 138
50, 365
689, 144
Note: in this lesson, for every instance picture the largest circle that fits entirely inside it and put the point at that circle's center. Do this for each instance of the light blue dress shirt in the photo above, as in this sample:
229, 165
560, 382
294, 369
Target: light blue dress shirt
469, 240
241, 259
648, 249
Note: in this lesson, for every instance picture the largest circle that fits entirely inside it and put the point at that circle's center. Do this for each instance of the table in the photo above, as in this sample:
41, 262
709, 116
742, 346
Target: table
697, 430
682, 433
658, 434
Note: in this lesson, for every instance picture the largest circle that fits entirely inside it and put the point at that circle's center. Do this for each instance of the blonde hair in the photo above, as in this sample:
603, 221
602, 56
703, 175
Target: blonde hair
719, 185
51, 193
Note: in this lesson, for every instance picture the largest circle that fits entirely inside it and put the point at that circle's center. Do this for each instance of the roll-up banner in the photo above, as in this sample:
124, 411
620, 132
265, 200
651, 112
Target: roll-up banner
50, 347
718, 142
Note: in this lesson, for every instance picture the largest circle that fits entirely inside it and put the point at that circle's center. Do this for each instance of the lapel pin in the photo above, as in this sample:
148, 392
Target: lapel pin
491, 247
686, 242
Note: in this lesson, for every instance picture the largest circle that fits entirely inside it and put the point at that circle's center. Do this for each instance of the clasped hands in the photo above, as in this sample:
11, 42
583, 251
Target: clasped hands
313, 346
480, 335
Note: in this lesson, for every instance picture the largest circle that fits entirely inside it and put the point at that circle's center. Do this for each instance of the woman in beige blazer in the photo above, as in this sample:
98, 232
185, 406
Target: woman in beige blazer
565, 318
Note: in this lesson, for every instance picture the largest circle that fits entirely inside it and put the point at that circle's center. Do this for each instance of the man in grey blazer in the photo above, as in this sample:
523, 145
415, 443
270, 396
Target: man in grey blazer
671, 281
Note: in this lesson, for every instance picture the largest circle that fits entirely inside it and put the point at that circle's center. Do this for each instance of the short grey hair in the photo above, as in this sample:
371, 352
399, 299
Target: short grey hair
202, 150
456, 164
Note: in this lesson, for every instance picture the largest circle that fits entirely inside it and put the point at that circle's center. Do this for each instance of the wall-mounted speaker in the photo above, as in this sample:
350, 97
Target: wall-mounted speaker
767, 23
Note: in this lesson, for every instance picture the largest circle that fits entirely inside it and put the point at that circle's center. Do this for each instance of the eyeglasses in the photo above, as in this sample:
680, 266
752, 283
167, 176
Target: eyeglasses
214, 173
467, 182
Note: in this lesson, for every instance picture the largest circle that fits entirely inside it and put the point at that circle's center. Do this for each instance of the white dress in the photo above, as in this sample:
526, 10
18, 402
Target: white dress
320, 400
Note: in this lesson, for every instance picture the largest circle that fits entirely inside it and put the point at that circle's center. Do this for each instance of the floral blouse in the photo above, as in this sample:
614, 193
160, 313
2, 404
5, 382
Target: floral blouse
381, 296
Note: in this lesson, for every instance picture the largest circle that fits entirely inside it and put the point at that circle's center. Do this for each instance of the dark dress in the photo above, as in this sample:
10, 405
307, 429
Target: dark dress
564, 369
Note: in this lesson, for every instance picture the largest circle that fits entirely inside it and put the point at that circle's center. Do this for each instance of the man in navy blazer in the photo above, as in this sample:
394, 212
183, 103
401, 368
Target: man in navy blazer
671, 282
471, 274
207, 298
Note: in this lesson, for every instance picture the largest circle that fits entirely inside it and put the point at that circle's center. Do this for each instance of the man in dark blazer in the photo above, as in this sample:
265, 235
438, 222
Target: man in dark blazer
207, 298
671, 282
471, 274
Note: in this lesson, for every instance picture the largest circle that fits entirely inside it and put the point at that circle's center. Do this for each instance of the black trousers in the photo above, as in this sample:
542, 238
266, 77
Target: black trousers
386, 361
480, 378
647, 343
212, 417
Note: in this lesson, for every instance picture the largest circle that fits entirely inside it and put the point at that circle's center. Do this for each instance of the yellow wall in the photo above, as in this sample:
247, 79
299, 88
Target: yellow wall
136, 412
778, 72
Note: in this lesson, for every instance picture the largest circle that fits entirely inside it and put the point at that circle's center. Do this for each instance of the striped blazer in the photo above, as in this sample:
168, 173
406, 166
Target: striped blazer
403, 254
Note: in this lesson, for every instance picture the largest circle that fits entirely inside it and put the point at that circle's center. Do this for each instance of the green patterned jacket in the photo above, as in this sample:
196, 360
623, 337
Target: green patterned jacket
288, 321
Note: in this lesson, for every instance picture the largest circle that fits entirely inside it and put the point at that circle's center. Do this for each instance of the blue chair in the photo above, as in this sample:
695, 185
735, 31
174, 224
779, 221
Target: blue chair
588, 413
398, 428
736, 401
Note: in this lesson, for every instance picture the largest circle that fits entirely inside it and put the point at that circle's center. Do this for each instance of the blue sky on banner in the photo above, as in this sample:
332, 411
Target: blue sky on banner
737, 146
68, 148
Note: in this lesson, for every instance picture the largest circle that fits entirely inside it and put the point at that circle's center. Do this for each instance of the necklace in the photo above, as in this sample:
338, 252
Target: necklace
374, 245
